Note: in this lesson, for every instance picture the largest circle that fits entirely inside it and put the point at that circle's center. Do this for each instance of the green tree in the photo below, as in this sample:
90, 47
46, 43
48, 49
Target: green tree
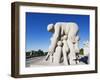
40, 52
81, 51
28, 54
45, 53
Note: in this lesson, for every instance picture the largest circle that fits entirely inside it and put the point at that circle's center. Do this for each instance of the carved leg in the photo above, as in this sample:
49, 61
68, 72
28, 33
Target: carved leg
65, 57
71, 55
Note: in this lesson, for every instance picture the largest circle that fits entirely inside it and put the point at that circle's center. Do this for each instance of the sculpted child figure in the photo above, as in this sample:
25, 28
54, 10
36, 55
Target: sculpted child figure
74, 50
65, 50
57, 54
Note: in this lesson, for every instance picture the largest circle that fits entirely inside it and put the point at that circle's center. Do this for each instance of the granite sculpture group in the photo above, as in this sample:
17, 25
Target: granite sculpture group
64, 45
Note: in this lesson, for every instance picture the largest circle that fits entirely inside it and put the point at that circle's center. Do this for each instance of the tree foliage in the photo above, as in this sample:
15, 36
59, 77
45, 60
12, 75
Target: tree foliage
81, 51
35, 53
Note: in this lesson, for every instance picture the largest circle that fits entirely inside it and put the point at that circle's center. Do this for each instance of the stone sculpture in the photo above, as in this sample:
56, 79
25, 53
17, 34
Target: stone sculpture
64, 41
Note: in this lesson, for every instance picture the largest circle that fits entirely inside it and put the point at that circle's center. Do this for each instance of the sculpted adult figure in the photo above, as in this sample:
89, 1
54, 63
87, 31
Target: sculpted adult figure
60, 29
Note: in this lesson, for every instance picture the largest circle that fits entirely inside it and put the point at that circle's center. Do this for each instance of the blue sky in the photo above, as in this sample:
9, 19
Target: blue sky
37, 36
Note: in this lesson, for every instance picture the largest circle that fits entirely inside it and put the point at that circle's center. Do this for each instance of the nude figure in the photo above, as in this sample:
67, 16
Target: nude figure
57, 54
74, 50
50, 53
58, 30
65, 50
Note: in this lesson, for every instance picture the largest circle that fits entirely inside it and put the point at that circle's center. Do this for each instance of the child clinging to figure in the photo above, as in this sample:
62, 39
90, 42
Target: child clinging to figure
65, 50
57, 54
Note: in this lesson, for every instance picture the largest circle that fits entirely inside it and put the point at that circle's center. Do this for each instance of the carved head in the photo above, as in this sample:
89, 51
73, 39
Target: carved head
65, 37
50, 27
59, 43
